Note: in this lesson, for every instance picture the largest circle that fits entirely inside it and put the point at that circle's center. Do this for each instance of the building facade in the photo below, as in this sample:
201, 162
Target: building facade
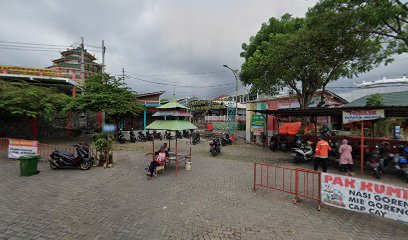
70, 63
271, 124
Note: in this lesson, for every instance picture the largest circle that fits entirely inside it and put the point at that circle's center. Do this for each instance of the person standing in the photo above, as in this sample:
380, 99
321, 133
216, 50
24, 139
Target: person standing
322, 154
346, 159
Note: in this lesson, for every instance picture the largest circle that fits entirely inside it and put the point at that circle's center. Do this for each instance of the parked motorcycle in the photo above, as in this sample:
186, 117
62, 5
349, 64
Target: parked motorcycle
298, 141
376, 162
386, 154
157, 135
196, 138
303, 154
215, 147
226, 140
121, 138
168, 135
178, 135
401, 162
186, 134
63, 159
273, 143
334, 152
283, 143
132, 136
141, 136
149, 136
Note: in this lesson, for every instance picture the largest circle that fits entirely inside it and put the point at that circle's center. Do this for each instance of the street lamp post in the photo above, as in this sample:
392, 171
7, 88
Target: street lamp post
236, 100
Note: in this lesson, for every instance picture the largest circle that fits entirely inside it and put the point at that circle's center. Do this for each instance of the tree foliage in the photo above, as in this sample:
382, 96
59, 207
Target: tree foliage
305, 54
387, 19
102, 93
375, 100
23, 99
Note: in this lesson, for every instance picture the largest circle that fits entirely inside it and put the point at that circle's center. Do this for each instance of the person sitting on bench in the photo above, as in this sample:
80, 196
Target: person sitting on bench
159, 159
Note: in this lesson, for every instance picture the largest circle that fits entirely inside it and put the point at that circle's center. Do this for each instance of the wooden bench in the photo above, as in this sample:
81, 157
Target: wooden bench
160, 168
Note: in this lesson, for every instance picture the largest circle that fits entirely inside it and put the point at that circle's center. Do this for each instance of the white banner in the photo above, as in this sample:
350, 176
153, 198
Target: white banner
355, 116
365, 196
19, 147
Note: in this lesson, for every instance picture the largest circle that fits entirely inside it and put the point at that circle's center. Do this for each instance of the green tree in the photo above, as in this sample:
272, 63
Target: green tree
25, 100
387, 19
103, 93
305, 54
375, 100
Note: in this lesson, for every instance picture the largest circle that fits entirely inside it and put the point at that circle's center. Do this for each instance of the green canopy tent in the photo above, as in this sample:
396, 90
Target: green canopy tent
175, 110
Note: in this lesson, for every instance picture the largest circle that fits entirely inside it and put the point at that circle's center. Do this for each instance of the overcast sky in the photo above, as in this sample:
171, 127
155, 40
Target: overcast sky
180, 42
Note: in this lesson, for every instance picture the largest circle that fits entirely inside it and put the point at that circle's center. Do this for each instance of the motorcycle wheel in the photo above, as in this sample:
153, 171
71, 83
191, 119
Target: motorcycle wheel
296, 160
377, 174
95, 162
85, 165
214, 153
53, 166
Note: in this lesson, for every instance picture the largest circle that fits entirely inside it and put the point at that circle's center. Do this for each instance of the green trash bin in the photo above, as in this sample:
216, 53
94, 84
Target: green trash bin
28, 165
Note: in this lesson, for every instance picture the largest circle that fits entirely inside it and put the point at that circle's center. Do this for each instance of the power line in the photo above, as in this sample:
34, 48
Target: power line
93, 46
176, 85
27, 49
39, 44
34, 47
178, 74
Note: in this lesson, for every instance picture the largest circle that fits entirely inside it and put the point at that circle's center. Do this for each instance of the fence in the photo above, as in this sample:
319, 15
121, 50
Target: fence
297, 181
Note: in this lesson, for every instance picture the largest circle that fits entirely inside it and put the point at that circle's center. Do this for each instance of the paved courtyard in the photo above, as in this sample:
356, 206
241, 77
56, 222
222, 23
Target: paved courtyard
212, 201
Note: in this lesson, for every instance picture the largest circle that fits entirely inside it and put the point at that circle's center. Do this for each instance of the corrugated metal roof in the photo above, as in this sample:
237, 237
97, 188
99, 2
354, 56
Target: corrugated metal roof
390, 99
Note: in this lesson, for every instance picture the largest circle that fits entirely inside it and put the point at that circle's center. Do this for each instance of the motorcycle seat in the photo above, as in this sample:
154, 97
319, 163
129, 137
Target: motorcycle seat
64, 153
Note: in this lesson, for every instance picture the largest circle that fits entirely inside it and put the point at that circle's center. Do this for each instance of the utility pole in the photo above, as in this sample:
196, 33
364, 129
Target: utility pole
236, 100
103, 75
82, 60
103, 56
123, 75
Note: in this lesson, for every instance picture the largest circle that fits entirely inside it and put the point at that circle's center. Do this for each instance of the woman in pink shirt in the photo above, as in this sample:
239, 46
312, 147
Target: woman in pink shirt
346, 159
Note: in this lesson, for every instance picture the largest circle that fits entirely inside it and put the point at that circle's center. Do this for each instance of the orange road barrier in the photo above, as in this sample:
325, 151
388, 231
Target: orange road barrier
300, 182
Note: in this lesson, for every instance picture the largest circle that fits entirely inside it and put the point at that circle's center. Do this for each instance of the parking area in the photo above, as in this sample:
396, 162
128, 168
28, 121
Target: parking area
212, 201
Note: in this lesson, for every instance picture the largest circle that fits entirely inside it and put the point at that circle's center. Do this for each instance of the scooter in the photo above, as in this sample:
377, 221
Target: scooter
196, 138
302, 154
121, 138
157, 135
224, 141
298, 141
283, 143
167, 135
376, 162
272, 143
132, 136
149, 136
215, 147
63, 159
228, 138
186, 134
141, 136
401, 162
178, 135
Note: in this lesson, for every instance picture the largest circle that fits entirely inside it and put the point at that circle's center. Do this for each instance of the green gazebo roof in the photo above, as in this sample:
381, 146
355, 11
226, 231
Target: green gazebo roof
171, 125
172, 105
